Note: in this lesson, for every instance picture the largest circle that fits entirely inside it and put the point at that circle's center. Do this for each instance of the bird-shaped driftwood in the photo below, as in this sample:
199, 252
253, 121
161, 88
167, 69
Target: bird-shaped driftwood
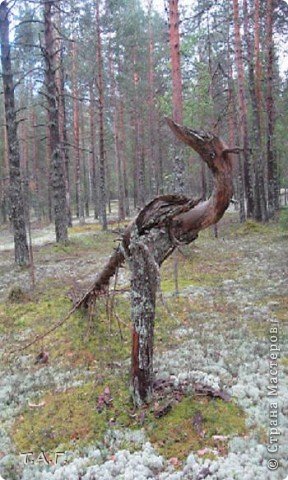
182, 217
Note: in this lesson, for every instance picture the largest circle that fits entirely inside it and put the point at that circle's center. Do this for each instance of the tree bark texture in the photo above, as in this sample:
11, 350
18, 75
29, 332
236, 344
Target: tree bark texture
122, 140
154, 183
243, 115
273, 190
63, 133
115, 101
177, 90
93, 158
144, 282
16, 199
102, 165
174, 38
254, 75
76, 137
52, 96
149, 239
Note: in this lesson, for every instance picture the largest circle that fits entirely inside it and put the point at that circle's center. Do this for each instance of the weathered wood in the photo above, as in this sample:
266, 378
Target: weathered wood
144, 282
149, 239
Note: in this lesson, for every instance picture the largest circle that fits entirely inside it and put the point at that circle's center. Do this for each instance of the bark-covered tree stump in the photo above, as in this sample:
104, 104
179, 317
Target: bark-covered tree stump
144, 282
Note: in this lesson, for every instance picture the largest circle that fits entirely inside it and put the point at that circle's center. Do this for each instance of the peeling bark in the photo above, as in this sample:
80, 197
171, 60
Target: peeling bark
144, 282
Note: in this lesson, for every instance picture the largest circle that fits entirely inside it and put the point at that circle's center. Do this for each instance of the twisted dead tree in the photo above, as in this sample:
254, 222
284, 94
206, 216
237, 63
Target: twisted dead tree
164, 223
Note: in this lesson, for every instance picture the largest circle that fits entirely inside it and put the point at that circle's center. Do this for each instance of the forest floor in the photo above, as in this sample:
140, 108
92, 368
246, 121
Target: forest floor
70, 417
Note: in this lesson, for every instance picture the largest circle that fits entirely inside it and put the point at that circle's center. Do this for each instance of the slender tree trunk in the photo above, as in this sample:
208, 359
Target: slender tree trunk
59, 187
117, 140
137, 124
174, 38
122, 139
233, 129
254, 75
102, 163
154, 184
273, 189
118, 156
16, 203
76, 139
26, 168
85, 188
48, 157
60, 82
5, 181
35, 163
243, 116
160, 155
140, 164
177, 95
93, 159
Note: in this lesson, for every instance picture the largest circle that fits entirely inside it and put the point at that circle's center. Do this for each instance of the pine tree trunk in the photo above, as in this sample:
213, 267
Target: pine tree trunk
35, 163
60, 81
117, 141
273, 188
58, 179
254, 75
93, 159
85, 182
76, 140
5, 180
48, 164
118, 157
243, 116
137, 122
122, 139
174, 38
102, 163
16, 201
160, 156
177, 96
154, 180
233, 129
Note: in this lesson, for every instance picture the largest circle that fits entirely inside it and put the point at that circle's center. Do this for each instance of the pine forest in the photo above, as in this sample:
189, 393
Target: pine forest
143, 239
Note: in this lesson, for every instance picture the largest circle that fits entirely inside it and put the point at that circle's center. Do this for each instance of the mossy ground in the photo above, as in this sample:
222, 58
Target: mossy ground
70, 417
174, 435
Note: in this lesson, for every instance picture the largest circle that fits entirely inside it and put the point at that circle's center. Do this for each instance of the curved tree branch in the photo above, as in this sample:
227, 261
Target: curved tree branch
171, 219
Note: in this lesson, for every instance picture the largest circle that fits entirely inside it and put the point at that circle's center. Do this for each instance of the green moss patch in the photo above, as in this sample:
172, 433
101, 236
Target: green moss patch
37, 312
203, 267
96, 241
71, 417
175, 434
